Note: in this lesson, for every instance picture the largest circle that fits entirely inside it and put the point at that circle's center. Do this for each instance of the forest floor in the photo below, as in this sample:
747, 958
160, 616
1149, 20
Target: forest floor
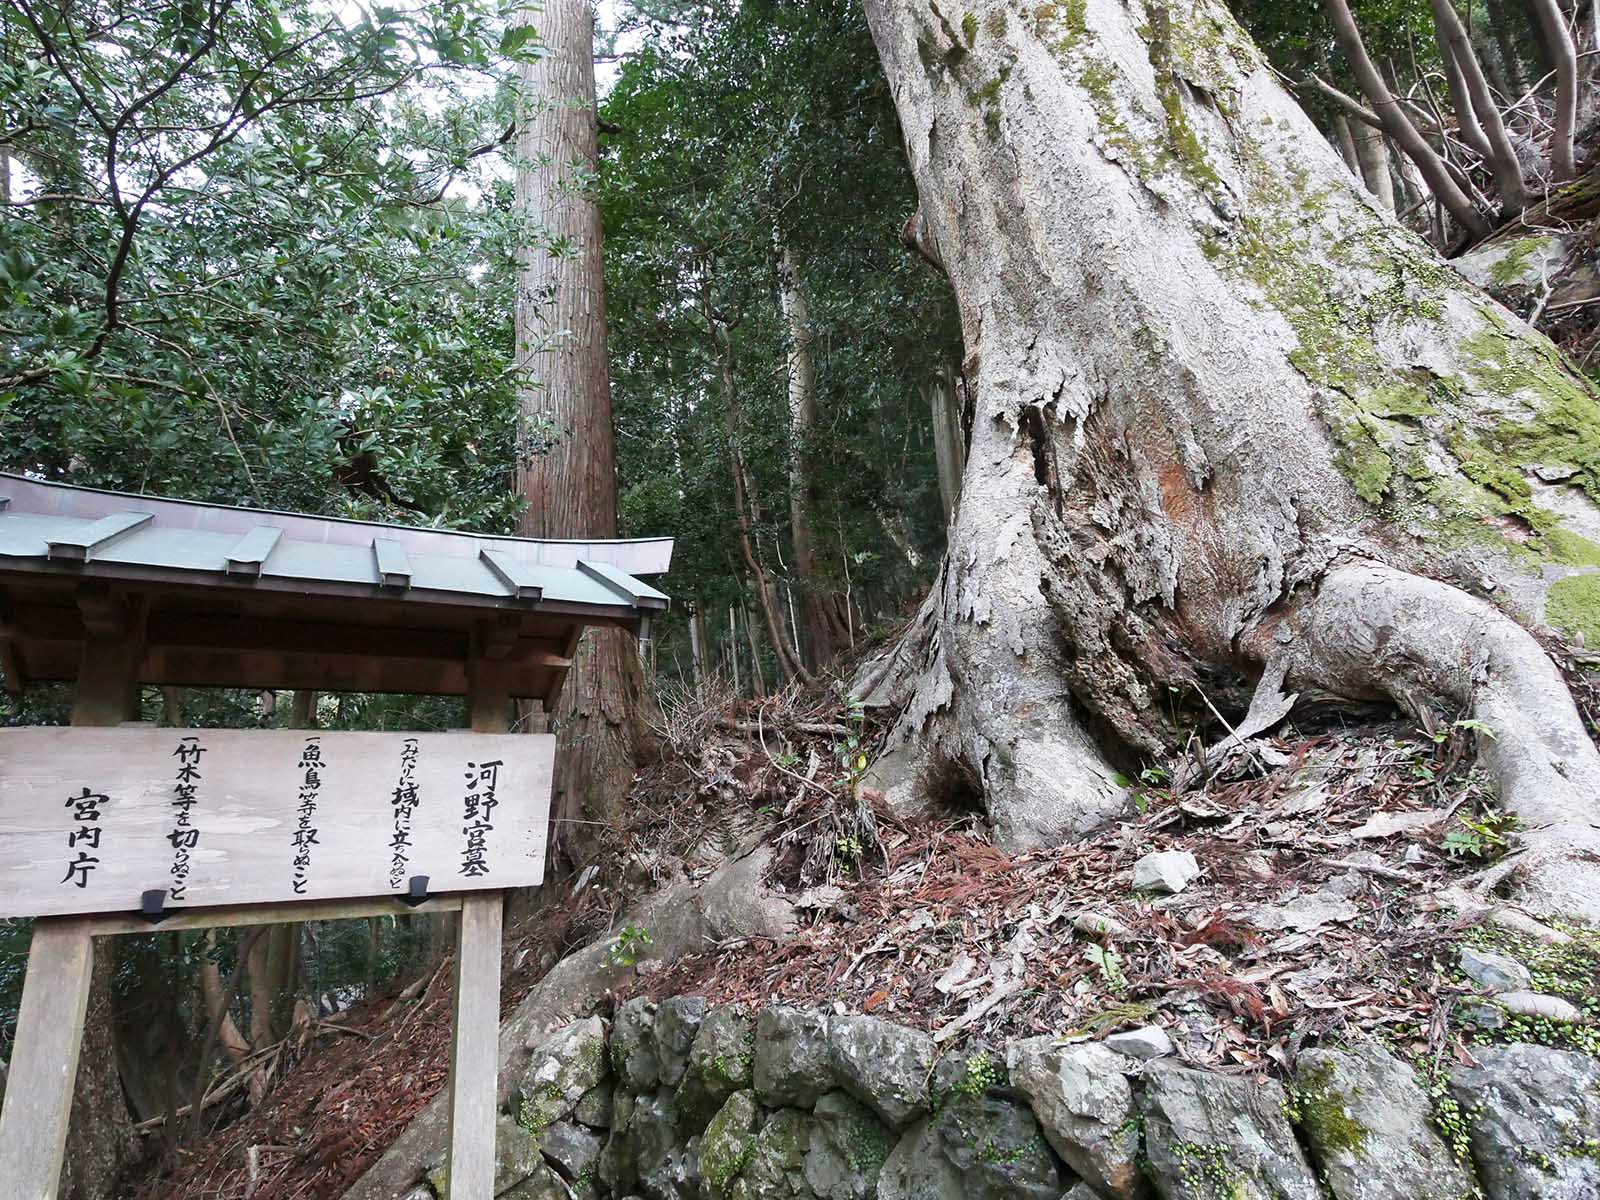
1326, 860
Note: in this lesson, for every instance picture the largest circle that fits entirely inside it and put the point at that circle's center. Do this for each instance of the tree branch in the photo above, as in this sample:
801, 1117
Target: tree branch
1398, 125
1564, 54
1456, 48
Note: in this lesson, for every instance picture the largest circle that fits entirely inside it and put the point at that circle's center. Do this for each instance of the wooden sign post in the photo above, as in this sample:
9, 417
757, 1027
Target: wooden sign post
121, 830
110, 830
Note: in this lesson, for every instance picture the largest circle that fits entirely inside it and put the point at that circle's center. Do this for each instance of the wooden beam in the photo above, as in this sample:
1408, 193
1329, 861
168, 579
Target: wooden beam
250, 553
96, 536
475, 1050
274, 914
44, 1061
108, 667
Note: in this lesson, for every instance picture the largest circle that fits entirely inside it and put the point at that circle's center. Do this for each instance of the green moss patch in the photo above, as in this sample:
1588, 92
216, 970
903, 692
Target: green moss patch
1573, 606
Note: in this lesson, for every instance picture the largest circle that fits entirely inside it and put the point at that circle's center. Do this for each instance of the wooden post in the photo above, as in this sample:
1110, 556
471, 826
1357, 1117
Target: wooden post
44, 1062
55, 992
475, 1045
475, 1049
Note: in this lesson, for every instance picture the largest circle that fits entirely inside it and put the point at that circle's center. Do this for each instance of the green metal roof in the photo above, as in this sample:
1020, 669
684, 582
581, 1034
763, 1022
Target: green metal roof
50, 527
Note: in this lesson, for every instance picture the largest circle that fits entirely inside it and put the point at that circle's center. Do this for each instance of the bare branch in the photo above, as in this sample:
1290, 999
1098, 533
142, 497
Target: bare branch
1478, 101
1398, 125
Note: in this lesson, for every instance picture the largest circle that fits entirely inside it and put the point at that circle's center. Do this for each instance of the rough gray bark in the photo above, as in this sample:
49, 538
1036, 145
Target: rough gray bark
1232, 424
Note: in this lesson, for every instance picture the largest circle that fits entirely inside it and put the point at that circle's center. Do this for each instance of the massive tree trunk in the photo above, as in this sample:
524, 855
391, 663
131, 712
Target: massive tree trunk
1234, 429
565, 405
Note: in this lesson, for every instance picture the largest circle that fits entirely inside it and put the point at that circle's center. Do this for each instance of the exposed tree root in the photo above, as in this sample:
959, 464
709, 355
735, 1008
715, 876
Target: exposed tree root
1369, 630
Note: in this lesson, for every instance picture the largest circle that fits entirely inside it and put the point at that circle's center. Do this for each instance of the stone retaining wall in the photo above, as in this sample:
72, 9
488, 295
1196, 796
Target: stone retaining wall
678, 1102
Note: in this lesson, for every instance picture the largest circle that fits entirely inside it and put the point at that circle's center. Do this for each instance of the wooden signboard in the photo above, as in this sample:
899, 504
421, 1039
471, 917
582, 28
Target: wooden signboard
95, 820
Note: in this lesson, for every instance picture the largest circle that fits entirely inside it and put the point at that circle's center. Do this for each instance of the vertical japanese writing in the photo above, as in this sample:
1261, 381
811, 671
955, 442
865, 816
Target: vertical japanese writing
185, 795
405, 800
482, 781
86, 812
305, 832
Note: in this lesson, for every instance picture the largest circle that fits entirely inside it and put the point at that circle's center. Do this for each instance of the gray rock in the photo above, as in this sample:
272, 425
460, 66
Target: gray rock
1082, 1191
677, 1021
726, 1147
543, 1184
1085, 1105
1483, 1014
885, 1066
667, 1167
848, 1148
595, 1106
972, 1070
793, 1060
720, 1064
1306, 913
1534, 1115
1165, 871
1494, 972
736, 902
1533, 1004
633, 1045
1150, 1042
1505, 265
619, 1167
977, 1148
421, 1192
516, 1157
1219, 1137
562, 1067
776, 1169
917, 1170
571, 1148
1369, 1126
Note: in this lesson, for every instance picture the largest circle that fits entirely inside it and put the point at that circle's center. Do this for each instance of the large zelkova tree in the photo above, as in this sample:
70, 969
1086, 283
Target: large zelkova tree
566, 458
1238, 437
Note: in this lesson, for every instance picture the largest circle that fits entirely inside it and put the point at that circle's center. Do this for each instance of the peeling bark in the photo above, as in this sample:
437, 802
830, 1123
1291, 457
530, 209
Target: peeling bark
1228, 416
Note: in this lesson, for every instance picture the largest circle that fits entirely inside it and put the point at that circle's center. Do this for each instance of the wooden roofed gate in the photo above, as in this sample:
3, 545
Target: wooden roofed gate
111, 826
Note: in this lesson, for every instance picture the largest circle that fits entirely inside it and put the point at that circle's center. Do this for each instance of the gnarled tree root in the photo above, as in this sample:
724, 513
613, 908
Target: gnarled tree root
1369, 631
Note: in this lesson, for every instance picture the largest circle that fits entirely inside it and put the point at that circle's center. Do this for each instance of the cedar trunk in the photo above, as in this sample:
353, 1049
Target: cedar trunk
1235, 433
566, 464
822, 629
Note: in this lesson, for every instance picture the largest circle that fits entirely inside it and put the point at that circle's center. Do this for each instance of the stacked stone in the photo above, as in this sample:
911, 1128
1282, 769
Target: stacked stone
682, 1102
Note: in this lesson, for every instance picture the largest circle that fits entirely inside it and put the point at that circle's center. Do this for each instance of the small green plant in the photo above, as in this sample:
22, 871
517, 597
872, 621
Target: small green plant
850, 751
847, 849
1481, 837
1109, 963
632, 941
